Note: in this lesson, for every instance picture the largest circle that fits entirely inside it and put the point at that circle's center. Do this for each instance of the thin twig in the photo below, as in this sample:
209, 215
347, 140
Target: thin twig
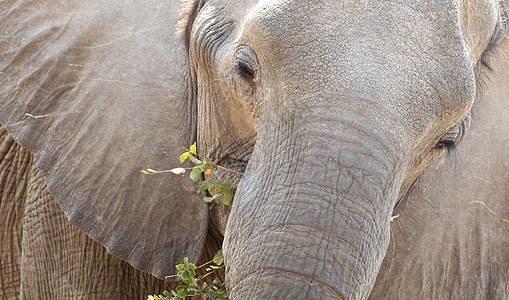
225, 169
212, 272
199, 267
205, 264
218, 166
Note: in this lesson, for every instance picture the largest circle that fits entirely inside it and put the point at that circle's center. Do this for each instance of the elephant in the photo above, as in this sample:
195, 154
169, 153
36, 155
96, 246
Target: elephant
339, 114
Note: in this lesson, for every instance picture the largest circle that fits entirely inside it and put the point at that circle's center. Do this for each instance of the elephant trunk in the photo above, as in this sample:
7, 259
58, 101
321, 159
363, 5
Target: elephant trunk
311, 216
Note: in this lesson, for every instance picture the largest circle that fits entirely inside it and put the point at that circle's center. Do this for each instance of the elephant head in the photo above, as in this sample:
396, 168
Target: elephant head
330, 108
334, 108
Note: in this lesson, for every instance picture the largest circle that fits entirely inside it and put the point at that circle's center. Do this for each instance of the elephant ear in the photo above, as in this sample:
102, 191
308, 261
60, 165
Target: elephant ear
97, 91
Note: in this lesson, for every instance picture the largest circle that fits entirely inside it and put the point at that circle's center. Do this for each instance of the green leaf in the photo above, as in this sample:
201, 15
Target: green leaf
180, 289
208, 199
218, 258
201, 185
166, 293
195, 174
212, 186
178, 171
181, 292
183, 157
228, 197
192, 149
186, 261
194, 159
217, 282
218, 198
186, 277
224, 187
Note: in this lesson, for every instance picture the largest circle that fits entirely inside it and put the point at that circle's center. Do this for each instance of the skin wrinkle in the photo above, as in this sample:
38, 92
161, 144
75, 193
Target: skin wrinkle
324, 259
343, 196
289, 177
255, 273
372, 157
216, 32
373, 101
346, 142
351, 201
344, 121
220, 35
312, 162
314, 188
323, 232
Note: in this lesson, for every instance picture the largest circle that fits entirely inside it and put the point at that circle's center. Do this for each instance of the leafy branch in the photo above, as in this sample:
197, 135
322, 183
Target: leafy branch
192, 286
221, 185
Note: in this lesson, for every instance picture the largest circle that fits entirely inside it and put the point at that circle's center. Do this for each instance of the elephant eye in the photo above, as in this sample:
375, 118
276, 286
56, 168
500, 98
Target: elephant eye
246, 72
454, 135
245, 78
448, 145
450, 139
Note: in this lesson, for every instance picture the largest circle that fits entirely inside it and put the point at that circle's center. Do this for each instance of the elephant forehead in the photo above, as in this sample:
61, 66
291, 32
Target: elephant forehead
339, 35
332, 18
411, 55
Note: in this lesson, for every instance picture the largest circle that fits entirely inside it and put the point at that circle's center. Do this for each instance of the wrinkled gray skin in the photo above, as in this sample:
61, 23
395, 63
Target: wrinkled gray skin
331, 108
